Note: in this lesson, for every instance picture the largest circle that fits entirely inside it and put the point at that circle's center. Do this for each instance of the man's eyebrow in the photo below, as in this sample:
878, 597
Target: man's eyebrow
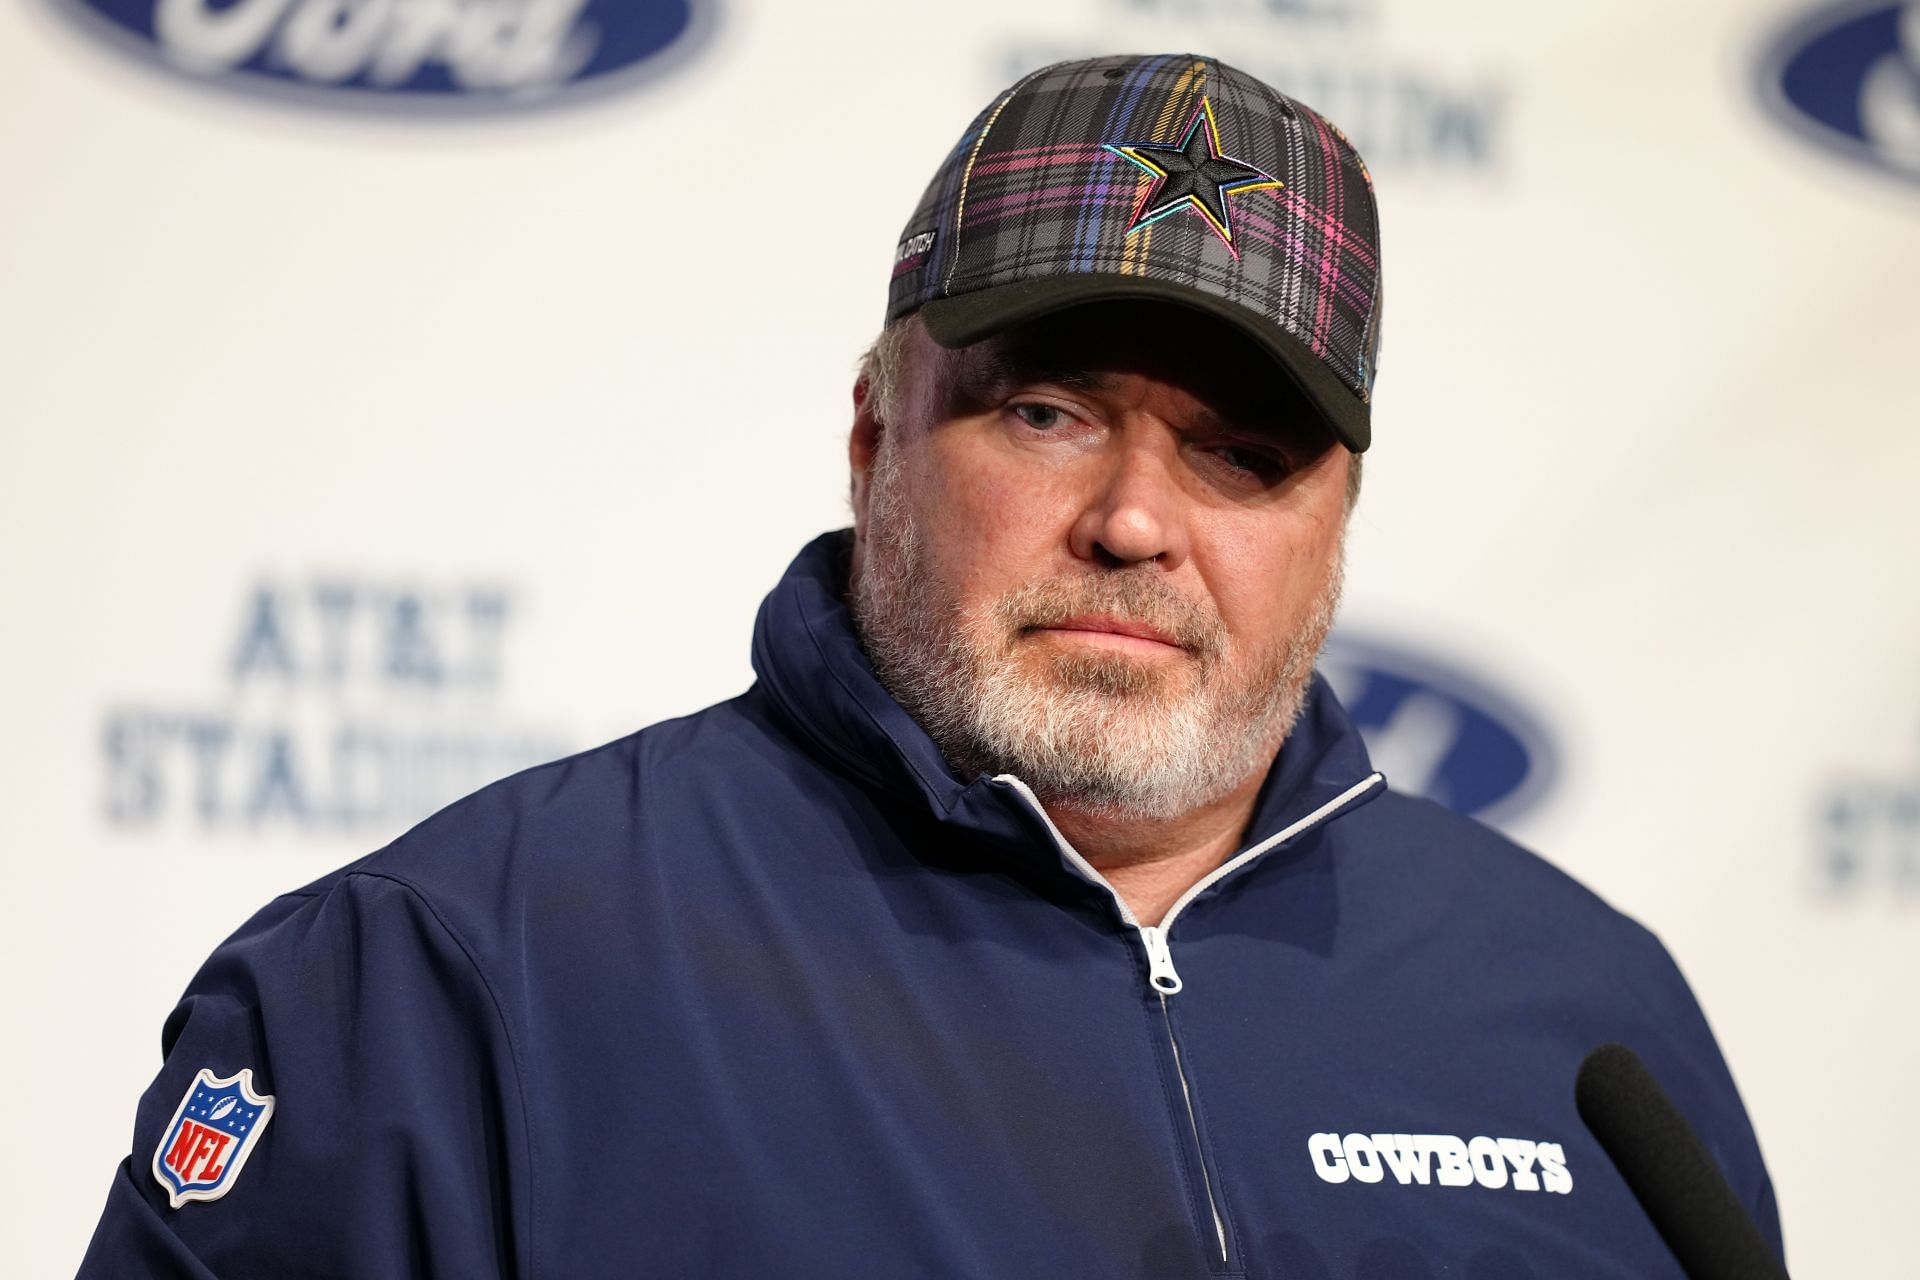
1001, 370
1253, 423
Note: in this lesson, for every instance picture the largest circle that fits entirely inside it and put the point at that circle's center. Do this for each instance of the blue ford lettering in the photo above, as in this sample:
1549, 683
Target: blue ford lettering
406, 52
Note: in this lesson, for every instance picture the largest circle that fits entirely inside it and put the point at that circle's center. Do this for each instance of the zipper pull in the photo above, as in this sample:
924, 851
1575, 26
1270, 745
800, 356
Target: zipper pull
1161, 975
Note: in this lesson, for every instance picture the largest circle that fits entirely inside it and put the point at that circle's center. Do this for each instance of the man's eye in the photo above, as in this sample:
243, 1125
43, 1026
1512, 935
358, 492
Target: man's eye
1041, 417
1252, 462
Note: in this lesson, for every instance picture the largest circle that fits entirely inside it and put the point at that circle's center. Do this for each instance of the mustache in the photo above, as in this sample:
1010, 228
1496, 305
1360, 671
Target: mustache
1131, 597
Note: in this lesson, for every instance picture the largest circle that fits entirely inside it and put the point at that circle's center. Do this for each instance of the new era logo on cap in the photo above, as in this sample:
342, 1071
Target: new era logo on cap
1172, 177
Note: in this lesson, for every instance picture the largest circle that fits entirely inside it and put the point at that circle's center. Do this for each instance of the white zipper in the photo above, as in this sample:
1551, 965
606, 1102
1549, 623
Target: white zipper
1070, 853
1162, 977
1242, 858
1193, 1122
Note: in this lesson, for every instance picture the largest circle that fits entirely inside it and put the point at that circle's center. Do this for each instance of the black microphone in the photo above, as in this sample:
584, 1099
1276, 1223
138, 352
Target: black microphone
1669, 1171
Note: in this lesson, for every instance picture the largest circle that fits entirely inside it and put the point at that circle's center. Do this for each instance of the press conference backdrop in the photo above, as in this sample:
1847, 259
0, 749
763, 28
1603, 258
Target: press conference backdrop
397, 394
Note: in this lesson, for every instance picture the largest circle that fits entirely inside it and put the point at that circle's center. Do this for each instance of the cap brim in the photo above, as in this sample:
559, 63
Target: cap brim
970, 317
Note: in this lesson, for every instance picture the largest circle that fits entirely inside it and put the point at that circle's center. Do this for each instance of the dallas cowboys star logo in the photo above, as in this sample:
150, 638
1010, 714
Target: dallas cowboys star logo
1192, 174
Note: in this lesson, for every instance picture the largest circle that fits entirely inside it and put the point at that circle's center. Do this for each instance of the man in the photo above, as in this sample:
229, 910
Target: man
1036, 913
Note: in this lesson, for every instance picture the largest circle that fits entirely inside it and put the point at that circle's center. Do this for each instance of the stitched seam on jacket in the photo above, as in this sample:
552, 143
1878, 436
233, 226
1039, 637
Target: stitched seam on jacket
513, 1056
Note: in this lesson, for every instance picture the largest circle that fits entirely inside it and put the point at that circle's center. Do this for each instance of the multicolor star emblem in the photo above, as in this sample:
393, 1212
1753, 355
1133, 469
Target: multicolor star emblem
1192, 174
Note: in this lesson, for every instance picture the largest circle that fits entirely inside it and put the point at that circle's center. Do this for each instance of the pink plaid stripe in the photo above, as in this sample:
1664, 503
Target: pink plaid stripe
1034, 157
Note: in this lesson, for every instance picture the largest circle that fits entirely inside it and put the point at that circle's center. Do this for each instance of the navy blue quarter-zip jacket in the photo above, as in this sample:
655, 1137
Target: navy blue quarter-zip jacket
768, 991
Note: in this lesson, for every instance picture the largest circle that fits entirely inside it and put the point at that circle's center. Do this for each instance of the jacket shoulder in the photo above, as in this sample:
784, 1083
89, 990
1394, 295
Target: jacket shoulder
484, 863
576, 809
1473, 872
1533, 933
1504, 904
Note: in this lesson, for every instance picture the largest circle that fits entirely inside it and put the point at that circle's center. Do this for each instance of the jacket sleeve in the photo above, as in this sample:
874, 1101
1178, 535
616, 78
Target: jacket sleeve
396, 1140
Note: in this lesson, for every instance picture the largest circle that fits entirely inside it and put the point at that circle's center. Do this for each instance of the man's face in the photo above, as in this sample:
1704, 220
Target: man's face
1100, 552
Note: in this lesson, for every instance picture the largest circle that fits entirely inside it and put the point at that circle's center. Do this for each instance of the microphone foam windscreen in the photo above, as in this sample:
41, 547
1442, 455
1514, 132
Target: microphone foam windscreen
1669, 1170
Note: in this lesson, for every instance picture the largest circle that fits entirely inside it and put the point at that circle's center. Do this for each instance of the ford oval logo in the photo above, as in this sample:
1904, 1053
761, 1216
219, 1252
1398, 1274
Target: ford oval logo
1847, 76
407, 54
1439, 732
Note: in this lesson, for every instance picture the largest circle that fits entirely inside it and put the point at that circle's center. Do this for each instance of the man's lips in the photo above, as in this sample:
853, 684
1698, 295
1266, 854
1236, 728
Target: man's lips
1116, 631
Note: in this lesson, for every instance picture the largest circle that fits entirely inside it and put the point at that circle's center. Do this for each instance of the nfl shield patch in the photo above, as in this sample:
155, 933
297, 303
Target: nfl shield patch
211, 1135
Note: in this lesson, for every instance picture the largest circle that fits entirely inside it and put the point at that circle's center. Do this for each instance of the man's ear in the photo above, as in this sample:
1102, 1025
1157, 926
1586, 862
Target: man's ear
863, 444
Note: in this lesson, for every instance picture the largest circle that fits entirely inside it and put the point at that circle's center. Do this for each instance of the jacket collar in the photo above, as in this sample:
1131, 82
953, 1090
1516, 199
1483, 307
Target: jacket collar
810, 661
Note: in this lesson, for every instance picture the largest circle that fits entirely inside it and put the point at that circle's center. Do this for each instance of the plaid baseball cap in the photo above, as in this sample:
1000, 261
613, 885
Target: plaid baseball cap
1172, 177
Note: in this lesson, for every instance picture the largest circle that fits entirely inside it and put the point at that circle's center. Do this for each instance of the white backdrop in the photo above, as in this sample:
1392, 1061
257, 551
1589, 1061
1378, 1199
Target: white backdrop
352, 459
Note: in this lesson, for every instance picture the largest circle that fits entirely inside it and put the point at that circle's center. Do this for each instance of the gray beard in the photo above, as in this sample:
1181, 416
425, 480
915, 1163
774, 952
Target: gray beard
1103, 732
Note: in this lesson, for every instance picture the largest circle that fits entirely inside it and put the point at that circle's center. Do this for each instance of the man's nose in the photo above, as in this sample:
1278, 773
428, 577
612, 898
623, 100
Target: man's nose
1135, 511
